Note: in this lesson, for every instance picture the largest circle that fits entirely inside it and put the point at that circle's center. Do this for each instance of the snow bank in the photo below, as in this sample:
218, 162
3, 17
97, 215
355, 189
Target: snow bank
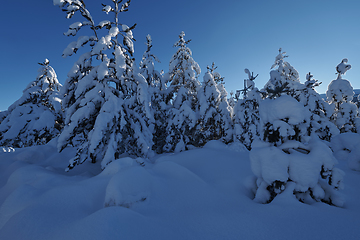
197, 194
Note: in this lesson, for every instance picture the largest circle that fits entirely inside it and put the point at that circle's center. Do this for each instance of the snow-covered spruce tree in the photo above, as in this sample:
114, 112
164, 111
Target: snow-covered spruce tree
224, 108
246, 113
102, 120
320, 110
285, 81
182, 93
219, 80
339, 95
226, 111
81, 101
147, 65
214, 123
158, 95
37, 116
289, 157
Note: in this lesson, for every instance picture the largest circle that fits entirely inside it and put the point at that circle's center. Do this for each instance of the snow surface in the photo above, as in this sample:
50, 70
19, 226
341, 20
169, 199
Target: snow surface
340, 90
346, 148
197, 194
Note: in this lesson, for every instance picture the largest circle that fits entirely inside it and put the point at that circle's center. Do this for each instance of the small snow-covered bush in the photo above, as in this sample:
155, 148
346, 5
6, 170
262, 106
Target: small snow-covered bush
310, 166
130, 183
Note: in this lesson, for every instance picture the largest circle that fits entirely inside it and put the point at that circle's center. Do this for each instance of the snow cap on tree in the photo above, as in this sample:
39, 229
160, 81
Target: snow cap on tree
340, 90
217, 77
342, 67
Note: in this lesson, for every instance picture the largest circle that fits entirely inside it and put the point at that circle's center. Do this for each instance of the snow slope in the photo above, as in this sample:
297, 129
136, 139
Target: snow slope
198, 194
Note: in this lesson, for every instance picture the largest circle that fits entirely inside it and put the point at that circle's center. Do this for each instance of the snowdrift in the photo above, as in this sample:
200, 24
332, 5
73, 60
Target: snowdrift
198, 194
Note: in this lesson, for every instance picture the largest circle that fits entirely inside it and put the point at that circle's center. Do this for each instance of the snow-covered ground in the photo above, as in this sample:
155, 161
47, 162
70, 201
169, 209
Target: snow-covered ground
198, 194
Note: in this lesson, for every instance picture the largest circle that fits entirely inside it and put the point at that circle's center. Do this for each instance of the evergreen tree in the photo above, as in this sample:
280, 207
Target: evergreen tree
225, 111
289, 156
182, 93
105, 121
147, 65
209, 125
320, 110
217, 77
37, 116
340, 94
246, 113
157, 91
285, 81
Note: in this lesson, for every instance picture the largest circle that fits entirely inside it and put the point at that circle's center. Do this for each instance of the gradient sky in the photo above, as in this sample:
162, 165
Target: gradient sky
234, 34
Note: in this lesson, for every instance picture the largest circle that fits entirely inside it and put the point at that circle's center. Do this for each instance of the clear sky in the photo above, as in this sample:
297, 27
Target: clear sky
234, 34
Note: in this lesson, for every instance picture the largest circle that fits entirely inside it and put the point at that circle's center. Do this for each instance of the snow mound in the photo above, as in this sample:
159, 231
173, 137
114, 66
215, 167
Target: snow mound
203, 193
346, 148
128, 187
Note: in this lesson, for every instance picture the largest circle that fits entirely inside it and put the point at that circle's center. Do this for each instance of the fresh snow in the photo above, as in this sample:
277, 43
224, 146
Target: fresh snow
346, 148
205, 193
113, 110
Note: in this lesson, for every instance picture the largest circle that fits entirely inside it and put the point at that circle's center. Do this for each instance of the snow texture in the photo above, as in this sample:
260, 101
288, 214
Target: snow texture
305, 169
346, 148
198, 194
340, 90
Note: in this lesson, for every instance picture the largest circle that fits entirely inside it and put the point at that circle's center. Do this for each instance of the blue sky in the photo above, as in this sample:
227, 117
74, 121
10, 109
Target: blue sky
234, 34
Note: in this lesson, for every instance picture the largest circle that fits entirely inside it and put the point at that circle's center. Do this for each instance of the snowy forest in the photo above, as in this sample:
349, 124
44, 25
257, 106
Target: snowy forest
115, 111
